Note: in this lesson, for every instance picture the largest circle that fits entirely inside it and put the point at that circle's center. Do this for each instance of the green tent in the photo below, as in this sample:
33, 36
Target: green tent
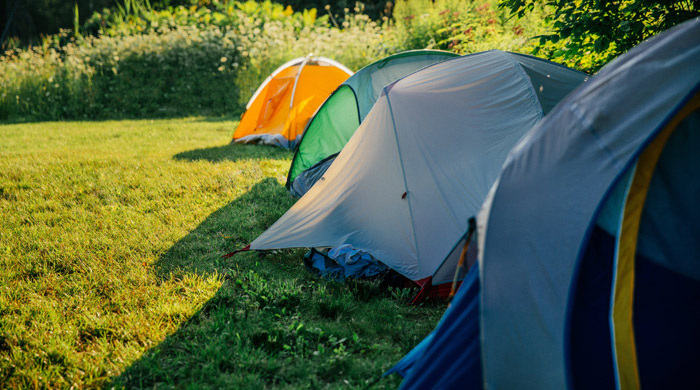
341, 114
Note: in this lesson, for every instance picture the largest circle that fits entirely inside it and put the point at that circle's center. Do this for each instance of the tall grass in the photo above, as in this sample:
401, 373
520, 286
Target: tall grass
172, 63
152, 75
136, 61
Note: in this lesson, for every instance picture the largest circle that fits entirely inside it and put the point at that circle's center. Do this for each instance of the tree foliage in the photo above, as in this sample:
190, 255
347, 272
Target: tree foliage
605, 29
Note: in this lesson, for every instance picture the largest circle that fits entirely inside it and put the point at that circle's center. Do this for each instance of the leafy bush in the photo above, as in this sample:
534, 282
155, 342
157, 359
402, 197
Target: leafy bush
599, 31
358, 43
375, 9
464, 26
181, 61
136, 61
183, 71
138, 17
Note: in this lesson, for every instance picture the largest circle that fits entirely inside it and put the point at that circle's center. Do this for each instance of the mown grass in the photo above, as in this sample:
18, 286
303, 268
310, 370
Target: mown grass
111, 272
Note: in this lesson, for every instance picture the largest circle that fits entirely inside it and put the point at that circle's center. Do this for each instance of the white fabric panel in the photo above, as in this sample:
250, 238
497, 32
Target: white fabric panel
451, 162
547, 196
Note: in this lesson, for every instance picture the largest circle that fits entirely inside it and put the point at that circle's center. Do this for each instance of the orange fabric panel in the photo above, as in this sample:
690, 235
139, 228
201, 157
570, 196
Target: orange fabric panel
315, 84
270, 112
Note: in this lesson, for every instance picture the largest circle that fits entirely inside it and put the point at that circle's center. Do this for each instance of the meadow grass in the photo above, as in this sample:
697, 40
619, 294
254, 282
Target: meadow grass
111, 272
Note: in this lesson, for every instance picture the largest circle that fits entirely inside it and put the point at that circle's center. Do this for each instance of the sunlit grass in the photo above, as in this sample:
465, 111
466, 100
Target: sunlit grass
111, 271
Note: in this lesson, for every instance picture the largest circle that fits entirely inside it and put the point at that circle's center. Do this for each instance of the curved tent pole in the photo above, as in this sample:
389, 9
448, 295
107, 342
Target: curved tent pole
296, 80
270, 77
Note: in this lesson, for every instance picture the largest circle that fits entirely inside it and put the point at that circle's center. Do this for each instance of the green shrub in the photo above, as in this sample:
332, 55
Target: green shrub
464, 26
185, 70
375, 9
142, 62
138, 17
193, 64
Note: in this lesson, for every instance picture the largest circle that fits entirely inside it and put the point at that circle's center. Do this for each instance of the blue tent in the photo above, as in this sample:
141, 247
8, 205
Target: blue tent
450, 357
590, 258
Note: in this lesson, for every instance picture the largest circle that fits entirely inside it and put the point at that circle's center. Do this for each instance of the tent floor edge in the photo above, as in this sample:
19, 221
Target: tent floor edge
430, 290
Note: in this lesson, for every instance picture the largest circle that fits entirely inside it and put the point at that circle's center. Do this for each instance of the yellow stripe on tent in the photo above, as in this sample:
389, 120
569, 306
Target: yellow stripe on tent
625, 354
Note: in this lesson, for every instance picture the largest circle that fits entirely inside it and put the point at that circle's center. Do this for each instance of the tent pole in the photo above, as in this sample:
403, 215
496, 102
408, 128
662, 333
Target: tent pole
462, 256
296, 80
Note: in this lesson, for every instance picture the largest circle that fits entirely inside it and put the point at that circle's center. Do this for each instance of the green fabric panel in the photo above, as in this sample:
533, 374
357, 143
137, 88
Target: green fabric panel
329, 130
359, 93
369, 81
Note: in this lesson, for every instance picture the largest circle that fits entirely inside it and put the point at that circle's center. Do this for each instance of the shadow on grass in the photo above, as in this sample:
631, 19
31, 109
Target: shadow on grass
233, 152
201, 353
231, 227
271, 324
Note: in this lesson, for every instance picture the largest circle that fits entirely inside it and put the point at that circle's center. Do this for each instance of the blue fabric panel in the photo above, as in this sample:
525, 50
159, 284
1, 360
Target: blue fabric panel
591, 350
548, 192
303, 183
670, 227
404, 366
344, 262
666, 327
453, 358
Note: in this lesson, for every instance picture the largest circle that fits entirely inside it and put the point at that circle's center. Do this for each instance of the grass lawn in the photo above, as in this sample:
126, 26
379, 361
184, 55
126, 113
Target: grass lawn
111, 272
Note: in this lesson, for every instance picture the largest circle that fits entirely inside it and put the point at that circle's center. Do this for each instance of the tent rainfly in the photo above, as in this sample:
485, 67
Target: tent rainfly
281, 107
341, 114
423, 160
590, 271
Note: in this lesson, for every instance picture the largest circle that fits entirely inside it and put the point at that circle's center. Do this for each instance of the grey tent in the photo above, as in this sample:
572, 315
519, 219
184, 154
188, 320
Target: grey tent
341, 114
423, 161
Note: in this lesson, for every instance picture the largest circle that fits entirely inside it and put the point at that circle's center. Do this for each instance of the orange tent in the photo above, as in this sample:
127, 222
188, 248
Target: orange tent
281, 107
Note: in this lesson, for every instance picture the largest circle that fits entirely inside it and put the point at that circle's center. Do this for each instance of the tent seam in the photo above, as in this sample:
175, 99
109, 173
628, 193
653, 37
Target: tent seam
272, 75
517, 65
403, 172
